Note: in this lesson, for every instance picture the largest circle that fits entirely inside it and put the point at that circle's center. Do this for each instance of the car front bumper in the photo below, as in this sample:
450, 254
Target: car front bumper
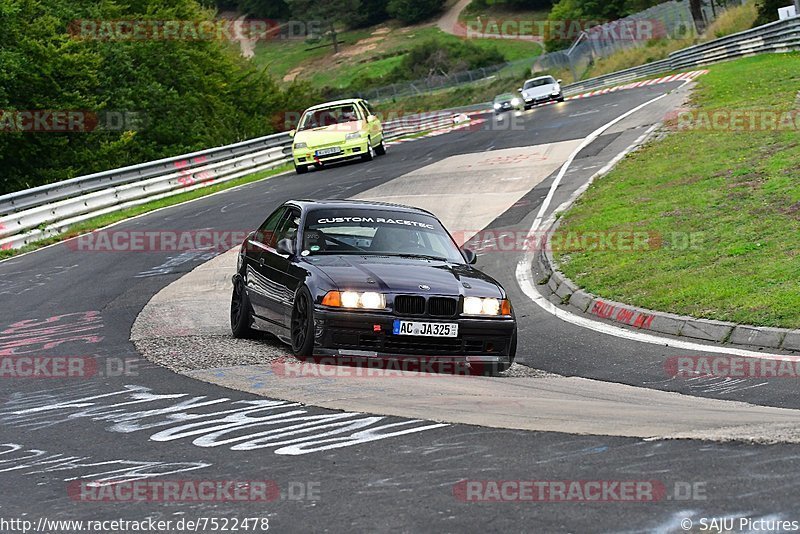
506, 108
350, 149
369, 335
543, 99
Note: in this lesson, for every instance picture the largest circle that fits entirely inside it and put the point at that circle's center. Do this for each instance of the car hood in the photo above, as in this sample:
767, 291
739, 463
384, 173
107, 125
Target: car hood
542, 90
324, 135
401, 275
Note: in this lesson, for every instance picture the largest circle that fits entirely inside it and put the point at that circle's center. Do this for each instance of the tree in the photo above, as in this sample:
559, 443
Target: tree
528, 4
192, 93
413, 11
269, 9
696, 7
327, 13
371, 12
591, 10
768, 11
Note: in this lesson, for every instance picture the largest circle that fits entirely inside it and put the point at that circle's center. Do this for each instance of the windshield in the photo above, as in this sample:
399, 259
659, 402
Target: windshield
539, 82
328, 116
376, 232
504, 97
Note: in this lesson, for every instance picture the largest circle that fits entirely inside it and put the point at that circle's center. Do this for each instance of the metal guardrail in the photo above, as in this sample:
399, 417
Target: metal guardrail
780, 36
38, 213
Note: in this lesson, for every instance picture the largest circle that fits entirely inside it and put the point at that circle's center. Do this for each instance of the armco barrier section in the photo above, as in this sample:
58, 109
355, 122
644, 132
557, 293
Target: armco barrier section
41, 212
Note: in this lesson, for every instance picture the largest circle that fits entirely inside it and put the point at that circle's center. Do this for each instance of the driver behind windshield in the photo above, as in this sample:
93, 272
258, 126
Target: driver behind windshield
378, 233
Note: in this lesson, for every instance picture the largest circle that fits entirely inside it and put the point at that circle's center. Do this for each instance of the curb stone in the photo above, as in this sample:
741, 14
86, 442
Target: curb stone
552, 283
709, 330
760, 336
581, 300
792, 340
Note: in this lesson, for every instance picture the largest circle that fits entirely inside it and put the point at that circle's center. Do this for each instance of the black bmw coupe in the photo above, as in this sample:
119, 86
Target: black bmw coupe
372, 280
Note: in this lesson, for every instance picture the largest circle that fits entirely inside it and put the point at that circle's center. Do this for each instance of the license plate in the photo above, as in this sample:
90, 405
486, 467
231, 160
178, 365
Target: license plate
328, 151
414, 328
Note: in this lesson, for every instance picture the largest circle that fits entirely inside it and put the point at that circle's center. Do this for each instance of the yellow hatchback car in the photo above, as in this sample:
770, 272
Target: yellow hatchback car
336, 131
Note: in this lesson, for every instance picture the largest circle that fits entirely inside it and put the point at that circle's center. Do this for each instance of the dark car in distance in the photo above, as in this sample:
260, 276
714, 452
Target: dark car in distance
371, 280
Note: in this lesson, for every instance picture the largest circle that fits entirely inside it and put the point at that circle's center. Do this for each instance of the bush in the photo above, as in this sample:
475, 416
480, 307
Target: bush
428, 59
435, 57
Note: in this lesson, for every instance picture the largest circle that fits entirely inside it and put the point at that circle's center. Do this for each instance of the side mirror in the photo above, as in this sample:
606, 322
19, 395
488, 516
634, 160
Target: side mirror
520, 89
285, 247
470, 256
292, 132
559, 80
251, 236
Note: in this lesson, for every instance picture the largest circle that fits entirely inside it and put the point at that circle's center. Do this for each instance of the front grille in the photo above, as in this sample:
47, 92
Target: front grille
409, 305
442, 307
418, 345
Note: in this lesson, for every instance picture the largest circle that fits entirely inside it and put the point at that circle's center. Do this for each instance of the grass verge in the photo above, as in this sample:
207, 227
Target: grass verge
374, 51
110, 218
737, 191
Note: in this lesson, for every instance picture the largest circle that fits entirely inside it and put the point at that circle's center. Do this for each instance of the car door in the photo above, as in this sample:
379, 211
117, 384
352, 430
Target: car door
373, 123
275, 268
256, 276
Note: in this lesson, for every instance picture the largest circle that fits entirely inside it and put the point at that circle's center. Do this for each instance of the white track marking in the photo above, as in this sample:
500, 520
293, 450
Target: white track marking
586, 142
524, 272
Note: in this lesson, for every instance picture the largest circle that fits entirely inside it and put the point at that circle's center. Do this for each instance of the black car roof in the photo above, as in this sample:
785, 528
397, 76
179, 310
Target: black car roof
306, 204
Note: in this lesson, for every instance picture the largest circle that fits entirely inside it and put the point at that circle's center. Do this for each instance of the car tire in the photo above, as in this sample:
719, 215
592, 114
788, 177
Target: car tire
561, 98
370, 155
302, 325
380, 150
300, 169
241, 312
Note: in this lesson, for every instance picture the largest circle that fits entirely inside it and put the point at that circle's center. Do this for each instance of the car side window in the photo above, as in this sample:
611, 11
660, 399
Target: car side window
266, 232
287, 228
363, 110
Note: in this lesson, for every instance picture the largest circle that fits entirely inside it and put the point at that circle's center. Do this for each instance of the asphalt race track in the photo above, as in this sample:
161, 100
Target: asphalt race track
355, 471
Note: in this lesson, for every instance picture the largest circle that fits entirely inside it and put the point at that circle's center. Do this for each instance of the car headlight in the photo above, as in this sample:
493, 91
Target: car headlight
556, 91
486, 306
497, 106
515, 101
367, 300
298, 146
353, 135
